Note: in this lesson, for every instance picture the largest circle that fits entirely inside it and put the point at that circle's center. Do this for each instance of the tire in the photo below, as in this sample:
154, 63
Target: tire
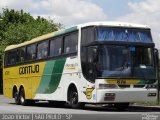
16, 97
121, 106
73, 99
23, 100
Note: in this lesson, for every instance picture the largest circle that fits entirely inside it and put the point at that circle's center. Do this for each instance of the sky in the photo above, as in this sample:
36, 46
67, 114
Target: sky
72, 12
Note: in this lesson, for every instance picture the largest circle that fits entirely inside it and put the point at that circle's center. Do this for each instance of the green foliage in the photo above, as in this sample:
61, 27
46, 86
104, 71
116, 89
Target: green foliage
147, 103
18, 26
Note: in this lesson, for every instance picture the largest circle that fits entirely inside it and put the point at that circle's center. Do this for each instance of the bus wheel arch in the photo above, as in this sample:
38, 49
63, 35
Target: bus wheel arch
15, 95
72, 97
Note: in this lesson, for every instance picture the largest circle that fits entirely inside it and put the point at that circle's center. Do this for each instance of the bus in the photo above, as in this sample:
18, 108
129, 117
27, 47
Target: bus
92, 63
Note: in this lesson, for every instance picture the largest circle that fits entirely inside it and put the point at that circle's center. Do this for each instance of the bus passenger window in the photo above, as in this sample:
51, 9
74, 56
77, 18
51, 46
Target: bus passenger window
42, 50
55, 47
31, 52
71, 43
11, 57
21, 54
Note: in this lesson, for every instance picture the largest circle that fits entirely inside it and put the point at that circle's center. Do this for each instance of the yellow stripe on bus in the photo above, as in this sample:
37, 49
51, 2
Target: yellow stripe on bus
122, 81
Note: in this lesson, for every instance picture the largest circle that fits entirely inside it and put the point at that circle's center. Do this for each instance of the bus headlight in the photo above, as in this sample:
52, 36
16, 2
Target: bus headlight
152, 94
151, 86
107, 86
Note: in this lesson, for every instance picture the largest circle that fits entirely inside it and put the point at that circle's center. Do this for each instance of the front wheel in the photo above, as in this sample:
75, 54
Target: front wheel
73, 99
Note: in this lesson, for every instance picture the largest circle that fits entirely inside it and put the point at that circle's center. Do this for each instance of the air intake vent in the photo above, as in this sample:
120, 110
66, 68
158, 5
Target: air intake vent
139, 86
124, 86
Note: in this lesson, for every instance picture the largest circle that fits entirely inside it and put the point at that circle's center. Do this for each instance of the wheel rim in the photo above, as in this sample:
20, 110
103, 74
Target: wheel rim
16, 97
22, 99
74, 98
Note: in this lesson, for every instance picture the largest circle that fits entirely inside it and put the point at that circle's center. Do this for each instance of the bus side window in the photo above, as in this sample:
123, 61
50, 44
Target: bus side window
42, 50
31, 52
55, 47
88, 35
11, 57
71, 43
21, 54
7, 61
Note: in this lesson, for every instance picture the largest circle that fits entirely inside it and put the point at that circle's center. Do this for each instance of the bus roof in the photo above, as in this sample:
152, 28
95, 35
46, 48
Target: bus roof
114, 24
43, 37
74, 28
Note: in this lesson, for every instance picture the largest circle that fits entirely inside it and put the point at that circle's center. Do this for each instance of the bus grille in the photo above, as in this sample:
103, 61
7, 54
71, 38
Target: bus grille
139, 86
124, 86
131, 86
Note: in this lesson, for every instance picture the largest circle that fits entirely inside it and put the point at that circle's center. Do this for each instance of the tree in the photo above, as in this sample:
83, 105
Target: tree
18, 26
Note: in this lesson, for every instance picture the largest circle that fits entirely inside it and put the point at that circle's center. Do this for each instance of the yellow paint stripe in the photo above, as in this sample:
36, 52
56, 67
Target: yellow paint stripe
71, 68
122, 81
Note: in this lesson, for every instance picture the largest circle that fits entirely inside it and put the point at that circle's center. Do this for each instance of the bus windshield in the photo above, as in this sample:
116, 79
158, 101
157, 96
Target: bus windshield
122, 61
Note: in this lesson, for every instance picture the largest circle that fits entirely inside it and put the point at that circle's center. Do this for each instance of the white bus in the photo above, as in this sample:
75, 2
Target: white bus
97, 63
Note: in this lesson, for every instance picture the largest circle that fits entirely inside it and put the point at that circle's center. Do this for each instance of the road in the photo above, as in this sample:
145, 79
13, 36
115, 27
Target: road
90, 112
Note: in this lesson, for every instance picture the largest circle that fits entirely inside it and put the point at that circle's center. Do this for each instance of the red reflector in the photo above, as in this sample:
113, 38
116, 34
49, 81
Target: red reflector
109, 98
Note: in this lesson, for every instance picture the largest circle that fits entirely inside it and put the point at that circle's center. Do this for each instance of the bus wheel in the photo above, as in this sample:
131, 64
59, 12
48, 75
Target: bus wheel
121, 106
16, 97
23, 100
73, 99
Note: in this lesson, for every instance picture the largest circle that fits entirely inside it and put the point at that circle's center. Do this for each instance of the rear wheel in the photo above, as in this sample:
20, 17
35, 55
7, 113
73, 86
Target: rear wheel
22, 97
23, 100
73, 99
16, 97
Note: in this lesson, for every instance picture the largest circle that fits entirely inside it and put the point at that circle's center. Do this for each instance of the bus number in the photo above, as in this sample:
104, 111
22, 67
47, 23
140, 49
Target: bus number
7, 73
121, 81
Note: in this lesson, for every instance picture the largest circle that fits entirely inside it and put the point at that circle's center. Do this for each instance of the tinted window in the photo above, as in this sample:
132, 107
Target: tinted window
31, 52
11, 57
87, 35
143, 56
5, 59
55, 47
70, 43
21, 54
42, 50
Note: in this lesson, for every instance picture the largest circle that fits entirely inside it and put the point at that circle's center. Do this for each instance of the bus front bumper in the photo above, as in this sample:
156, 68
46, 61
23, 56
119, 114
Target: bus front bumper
126, 95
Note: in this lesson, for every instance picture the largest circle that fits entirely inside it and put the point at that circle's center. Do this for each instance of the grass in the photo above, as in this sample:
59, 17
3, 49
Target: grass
147, 103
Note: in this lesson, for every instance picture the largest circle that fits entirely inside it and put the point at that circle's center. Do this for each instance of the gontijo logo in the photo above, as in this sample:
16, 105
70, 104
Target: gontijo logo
29, 69
71, 66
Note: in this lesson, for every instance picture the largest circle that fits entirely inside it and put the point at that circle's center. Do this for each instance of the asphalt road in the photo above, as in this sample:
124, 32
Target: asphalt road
42, 110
